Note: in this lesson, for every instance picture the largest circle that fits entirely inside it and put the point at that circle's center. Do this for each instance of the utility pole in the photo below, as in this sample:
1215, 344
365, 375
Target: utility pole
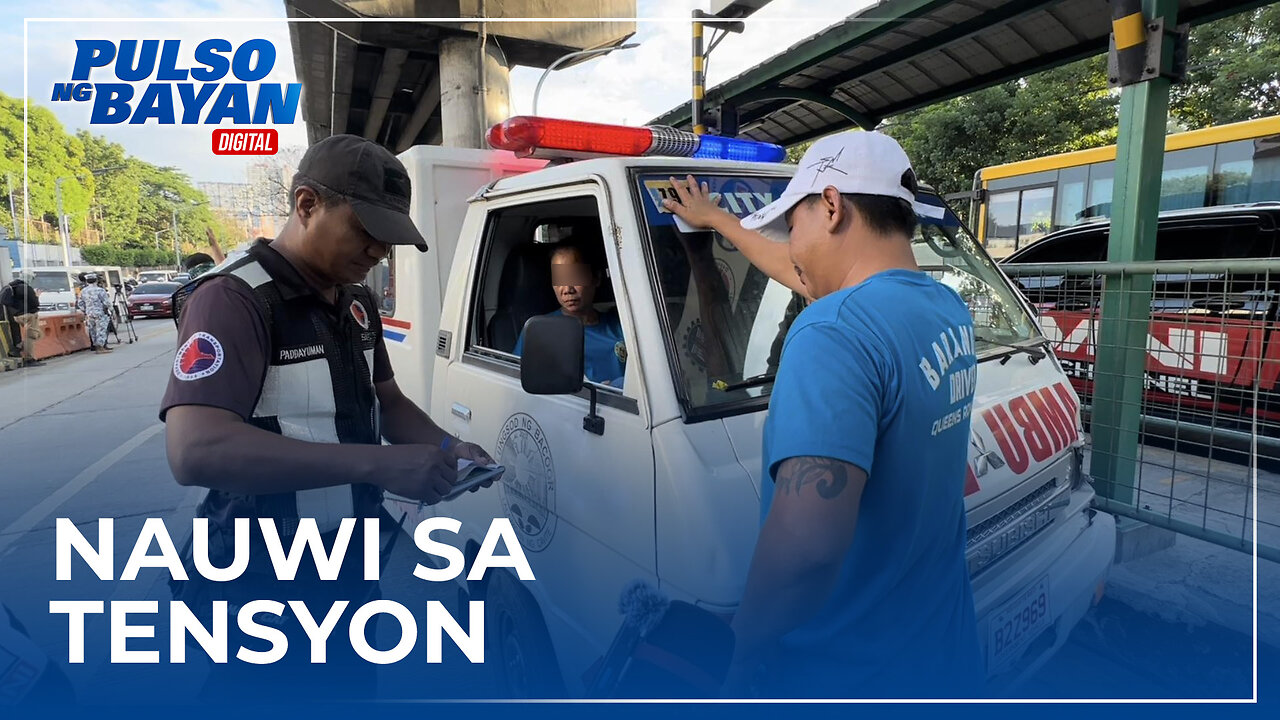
64, 233
177, 256
13, 212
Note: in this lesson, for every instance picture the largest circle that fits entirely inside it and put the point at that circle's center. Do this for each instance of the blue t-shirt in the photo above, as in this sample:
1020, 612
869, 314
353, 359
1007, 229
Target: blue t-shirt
881, 375
600, 349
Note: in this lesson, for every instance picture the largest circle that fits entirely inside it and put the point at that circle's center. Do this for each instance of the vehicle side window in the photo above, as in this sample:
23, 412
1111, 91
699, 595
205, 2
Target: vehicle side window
1085, 247
547, 258
1212, 241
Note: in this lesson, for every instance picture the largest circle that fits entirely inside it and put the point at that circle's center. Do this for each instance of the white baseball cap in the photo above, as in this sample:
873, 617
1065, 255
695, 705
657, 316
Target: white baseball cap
855, 163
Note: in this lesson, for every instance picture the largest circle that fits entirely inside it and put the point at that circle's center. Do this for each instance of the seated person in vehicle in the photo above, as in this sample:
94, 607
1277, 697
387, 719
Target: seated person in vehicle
576, 276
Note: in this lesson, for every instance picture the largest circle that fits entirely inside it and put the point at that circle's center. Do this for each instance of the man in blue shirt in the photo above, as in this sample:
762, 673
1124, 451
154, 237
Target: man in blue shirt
575, 280
858, 586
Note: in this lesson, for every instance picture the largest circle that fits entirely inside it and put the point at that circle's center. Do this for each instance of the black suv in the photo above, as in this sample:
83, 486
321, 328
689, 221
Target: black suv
1212, 334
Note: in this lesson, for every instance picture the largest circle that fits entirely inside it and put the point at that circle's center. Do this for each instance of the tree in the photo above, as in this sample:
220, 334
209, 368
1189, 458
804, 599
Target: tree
51, 154
118, 191
1233, 75
950, 141
1231, 71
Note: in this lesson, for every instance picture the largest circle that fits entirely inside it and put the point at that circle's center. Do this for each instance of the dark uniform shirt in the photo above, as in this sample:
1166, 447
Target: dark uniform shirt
305, 371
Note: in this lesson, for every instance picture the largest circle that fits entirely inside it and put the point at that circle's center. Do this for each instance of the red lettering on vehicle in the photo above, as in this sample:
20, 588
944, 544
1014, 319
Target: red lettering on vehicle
1032, 432
1056, 433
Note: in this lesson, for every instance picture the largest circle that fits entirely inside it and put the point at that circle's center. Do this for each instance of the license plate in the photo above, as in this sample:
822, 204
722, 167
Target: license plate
1016, 623
148, 307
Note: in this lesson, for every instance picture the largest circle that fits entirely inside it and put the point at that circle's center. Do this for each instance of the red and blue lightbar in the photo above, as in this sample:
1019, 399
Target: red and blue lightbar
548, 137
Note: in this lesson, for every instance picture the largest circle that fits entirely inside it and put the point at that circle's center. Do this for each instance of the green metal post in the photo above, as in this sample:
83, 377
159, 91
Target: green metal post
1126, 300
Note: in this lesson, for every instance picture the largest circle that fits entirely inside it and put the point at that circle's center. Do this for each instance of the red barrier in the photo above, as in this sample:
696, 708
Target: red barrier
72, 334
63, 334
49, 345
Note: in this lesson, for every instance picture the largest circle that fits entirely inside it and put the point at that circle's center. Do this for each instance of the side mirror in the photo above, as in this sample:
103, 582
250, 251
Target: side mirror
552, 360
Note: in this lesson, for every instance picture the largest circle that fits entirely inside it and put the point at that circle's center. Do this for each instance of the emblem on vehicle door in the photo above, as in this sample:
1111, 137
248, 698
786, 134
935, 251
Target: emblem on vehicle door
528, 487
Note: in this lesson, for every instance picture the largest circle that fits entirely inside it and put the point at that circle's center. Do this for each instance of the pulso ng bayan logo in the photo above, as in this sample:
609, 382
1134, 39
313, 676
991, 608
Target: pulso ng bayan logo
182, 94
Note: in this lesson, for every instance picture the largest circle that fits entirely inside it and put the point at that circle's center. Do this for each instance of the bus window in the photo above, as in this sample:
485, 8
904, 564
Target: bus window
1247, 171
1185, 178
1101, 181
1071, 187
1002, 223
1035, 215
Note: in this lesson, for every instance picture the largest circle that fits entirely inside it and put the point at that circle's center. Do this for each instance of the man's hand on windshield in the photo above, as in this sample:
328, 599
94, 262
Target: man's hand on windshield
695, 206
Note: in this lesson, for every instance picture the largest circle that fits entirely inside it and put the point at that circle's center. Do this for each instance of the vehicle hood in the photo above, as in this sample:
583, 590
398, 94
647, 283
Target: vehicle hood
1024, 417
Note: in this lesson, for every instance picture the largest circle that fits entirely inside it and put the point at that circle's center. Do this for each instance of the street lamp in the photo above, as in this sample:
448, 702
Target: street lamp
581, 53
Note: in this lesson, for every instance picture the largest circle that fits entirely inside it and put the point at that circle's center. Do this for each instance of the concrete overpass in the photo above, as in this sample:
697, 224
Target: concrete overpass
366, 70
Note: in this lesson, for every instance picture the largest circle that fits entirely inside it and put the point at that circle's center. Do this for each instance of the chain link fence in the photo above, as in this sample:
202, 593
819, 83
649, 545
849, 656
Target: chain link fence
1205, 457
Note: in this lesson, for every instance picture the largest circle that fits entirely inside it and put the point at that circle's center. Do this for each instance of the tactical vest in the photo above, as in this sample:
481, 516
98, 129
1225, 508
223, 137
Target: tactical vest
318, 387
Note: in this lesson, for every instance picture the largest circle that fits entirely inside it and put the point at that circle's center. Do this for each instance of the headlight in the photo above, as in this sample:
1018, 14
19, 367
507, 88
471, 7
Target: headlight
1075, 470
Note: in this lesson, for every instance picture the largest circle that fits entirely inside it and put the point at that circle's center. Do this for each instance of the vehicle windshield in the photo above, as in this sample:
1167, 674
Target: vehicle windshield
49, 281
156, 289
725, 321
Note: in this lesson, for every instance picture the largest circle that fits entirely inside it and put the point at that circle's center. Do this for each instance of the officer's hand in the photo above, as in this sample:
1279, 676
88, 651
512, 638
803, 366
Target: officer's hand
420, 472
695, 206
476, 454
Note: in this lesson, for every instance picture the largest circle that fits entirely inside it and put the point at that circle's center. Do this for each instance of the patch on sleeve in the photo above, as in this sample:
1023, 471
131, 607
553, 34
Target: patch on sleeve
199, 357
357, 312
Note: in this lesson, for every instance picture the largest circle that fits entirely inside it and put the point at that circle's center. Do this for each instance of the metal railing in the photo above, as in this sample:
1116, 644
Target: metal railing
1185, 428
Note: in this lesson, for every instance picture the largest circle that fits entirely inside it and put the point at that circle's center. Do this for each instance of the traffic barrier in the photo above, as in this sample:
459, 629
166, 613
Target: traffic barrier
72, 333
48, 345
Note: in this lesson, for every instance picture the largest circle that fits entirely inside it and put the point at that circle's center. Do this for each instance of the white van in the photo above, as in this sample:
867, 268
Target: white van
55, 286
659, 479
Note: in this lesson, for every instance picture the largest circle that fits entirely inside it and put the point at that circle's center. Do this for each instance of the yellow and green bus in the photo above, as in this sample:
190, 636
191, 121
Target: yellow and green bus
1018, 203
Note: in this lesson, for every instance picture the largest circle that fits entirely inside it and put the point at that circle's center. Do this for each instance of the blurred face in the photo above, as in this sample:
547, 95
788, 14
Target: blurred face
336, 246
574, 282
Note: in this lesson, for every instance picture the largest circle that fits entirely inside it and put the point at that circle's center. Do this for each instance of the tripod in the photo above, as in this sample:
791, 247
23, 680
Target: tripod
120, 316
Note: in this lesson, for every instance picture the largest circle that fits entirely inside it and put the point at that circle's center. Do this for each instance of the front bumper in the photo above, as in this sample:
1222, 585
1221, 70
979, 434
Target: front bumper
1074, 556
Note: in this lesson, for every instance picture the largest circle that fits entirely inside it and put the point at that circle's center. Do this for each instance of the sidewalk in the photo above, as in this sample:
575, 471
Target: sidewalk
33, 390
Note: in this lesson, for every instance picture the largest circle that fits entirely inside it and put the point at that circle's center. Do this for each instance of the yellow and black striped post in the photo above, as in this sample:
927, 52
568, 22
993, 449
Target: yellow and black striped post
1129, 36
699, 78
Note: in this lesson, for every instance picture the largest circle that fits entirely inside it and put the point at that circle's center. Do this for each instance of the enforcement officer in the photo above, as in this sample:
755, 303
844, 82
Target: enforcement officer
858, 585
95, 303
280, 396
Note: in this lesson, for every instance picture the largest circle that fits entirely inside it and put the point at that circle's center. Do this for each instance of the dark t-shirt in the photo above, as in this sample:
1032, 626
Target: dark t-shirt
225, 309
19, 298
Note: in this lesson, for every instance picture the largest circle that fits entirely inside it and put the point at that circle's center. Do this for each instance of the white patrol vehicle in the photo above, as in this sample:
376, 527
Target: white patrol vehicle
660, 479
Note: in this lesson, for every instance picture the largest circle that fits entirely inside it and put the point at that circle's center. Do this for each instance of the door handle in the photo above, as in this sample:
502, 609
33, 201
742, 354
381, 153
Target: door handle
461, 411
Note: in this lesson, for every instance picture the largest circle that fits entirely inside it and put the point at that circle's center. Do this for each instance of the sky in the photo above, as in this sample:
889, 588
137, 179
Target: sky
630, 87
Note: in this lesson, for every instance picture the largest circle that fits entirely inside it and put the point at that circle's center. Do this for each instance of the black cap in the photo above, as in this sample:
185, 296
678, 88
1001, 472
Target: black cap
369, 177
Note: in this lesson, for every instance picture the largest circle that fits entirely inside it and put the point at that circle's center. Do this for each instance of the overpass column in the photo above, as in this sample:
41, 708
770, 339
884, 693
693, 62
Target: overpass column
462, 120
1126, 299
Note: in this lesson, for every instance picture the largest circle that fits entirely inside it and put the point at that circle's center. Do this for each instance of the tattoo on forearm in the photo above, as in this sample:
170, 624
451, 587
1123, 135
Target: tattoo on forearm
827, 476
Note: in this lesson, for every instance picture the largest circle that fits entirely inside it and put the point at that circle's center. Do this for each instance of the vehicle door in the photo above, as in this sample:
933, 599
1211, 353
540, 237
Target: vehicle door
581, 503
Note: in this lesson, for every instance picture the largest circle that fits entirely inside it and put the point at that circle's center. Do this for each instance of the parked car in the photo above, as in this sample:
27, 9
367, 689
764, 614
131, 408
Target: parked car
152, 299
155, 276
1212, 334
